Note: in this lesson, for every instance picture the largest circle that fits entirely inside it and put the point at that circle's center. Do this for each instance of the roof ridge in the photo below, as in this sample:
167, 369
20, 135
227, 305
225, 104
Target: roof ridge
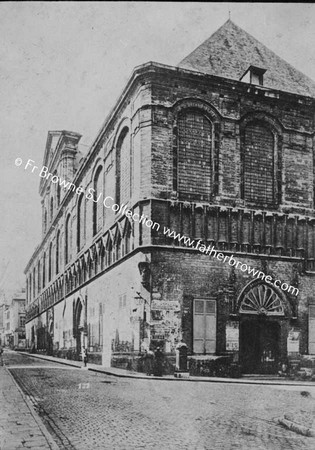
208, 39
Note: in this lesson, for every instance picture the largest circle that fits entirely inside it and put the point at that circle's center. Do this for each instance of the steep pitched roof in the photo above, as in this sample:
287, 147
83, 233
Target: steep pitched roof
230, 51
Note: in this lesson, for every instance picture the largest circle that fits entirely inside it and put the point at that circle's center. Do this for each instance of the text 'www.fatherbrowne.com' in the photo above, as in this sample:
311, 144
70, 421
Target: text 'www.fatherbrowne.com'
230, 260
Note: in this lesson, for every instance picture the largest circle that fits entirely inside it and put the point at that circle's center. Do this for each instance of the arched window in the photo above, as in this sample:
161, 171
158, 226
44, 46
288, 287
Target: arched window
98, 205
118, 252
80, 223
192, 164
44, 270
58, 190
90, 268
127, 238
96, 263
58, 252
67, 239
109, 252
123, 165
58, 194
51, 208
259, 165
45, 220
30, 286
38, 277
102, 257
50, 263
34, 282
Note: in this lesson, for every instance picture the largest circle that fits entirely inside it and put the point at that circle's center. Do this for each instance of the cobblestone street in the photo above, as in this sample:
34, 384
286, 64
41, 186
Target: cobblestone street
83, 409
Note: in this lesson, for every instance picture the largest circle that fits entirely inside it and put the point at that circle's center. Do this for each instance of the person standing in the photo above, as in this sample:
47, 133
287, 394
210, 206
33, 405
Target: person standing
84, 356
148, 361
158, 363
1, 353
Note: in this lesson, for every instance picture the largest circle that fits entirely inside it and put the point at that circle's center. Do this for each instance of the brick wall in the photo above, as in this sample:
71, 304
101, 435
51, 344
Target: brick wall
186, 275
288, 118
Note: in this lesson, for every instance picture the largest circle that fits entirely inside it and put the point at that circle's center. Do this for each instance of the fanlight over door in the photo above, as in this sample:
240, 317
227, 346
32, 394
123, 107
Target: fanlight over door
262, 300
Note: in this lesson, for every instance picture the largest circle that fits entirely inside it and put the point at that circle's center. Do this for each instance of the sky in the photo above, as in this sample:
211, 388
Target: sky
64, 64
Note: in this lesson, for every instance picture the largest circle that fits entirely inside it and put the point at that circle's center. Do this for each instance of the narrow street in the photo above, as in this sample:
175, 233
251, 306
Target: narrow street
83, 409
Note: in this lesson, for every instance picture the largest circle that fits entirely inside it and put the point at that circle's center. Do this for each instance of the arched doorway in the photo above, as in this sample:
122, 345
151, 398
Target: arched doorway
78, 325
263, 326
50, 338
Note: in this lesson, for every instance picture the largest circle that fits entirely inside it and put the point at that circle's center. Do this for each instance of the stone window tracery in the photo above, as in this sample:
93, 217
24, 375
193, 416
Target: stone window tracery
192, 164
260, 164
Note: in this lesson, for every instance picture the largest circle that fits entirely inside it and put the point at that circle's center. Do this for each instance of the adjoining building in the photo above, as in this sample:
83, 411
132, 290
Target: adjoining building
12, 331
2, 328
219, 149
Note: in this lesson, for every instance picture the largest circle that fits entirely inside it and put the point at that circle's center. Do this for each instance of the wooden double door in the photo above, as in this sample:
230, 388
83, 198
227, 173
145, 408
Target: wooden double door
259, 345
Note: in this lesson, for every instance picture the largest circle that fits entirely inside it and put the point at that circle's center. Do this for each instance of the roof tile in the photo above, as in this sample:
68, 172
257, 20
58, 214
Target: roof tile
230, 51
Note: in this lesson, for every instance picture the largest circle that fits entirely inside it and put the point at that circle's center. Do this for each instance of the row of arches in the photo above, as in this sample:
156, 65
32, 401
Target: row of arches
123, 187
196, 154
111, 247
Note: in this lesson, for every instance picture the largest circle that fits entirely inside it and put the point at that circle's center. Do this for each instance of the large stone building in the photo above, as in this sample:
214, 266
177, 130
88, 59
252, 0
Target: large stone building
220, 149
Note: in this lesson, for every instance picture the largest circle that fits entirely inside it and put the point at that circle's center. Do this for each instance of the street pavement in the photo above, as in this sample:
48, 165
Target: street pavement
88, 410
20, 428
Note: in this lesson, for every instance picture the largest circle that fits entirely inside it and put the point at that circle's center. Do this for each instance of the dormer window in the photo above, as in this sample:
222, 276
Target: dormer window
254, 75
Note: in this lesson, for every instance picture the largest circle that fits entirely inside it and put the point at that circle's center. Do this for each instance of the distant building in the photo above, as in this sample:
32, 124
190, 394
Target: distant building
13, 331
219, 149
2, 330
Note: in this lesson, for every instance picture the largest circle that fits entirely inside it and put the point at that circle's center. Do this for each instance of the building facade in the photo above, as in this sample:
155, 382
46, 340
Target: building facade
13, 322
2, 328
220, 150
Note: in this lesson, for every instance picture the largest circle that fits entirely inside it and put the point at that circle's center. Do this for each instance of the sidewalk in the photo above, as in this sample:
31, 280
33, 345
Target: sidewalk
130, 374
20, 426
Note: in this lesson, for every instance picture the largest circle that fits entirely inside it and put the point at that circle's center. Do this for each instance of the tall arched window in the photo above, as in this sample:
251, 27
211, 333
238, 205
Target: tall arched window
127, 238
259, 165
80, 223
123, 165
58, 194
192, 165
38, 277
98, 206
51, 208
44, 270
67, 239
58, 252
118, 252
50, 262
109, 251
34, 282
30, 286
45, 220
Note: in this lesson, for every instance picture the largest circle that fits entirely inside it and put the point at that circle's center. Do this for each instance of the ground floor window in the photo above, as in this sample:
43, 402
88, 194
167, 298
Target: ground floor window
204, 326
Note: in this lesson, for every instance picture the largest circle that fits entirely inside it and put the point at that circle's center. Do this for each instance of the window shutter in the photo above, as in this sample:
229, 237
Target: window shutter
204, 326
